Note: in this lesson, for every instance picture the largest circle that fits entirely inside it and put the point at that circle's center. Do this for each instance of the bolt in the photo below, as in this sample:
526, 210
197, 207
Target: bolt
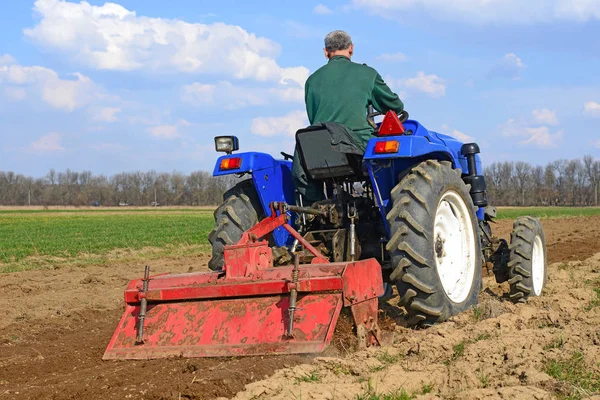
439, 247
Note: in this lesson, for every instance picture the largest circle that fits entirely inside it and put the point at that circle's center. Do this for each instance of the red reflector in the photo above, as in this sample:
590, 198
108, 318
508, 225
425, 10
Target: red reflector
391, 125
230, 163
390, 146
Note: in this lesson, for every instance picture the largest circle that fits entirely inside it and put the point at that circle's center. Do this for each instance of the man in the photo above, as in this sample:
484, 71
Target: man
341, 92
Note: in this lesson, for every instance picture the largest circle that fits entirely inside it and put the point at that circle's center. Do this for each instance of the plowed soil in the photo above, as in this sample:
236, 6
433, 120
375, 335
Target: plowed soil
54, 327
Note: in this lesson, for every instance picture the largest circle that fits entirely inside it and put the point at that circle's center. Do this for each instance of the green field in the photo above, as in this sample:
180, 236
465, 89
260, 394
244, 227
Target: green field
34, 240
37, 239
547, 212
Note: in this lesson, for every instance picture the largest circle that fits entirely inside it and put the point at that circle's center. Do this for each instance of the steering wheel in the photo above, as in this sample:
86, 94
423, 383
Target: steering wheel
287, 156
403, 116
372, 113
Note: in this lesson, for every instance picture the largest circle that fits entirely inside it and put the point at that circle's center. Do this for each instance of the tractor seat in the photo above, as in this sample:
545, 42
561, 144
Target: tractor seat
323, 159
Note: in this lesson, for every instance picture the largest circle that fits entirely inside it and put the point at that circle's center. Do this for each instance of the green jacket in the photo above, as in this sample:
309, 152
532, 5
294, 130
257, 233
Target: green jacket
341, 91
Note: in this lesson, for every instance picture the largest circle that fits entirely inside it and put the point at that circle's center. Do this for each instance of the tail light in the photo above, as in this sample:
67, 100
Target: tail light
391, 125
230, 163
389, 146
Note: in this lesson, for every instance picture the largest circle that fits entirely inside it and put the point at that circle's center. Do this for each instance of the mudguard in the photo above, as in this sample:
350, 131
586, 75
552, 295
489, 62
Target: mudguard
416, 145
272, 180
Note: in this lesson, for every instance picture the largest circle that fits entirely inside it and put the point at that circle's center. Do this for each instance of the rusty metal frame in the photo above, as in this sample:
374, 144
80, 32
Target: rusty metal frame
244, 310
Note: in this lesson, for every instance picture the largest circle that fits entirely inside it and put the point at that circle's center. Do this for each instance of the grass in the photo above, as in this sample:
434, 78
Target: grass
555, 344
387, 358
484, 378
547, 212
313, 377
577, 382
427, 388
459, 350
477, 313
128, 209
595, 302
483, 336
398, 394
35, 240
372, 394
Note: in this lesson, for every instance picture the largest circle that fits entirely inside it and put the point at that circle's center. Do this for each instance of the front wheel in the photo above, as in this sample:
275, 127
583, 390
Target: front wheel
240, 211
528, 263
435, 244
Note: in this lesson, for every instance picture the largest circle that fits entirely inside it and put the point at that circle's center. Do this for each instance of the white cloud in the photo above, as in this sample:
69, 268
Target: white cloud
510, 66
432, 85
230, 96
114, 38
539, 137
544, 116
481, 12
392, 57
597, 144
47, 143
164, 131
287, 124
463, 137
322, 9
6, 59
66, 94
592, 108
224, 94
167, 131
512, 60
105, 114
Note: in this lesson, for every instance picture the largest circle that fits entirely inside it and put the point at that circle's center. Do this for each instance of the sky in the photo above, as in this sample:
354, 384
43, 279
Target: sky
146, 84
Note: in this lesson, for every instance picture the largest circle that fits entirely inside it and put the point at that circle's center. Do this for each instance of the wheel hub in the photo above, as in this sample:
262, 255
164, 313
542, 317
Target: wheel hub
454, 246
538, 265
439, 247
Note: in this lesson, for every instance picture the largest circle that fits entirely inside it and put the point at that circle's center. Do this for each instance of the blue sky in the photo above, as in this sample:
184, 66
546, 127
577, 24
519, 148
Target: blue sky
140, 85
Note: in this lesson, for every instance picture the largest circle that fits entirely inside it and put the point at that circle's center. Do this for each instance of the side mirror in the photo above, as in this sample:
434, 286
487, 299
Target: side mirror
227, 144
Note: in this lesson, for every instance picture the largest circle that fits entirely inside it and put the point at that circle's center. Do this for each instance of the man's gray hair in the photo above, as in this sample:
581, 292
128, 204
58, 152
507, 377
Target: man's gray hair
337, 40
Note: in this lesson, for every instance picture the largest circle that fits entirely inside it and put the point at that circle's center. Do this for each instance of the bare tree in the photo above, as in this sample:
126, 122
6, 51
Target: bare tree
592, 169
561, 182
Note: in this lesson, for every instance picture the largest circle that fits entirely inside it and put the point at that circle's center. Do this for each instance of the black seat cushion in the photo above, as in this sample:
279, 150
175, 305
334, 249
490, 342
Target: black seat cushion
328, 151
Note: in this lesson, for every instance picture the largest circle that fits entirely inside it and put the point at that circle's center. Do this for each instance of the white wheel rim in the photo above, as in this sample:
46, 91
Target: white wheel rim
538, 265
454, 246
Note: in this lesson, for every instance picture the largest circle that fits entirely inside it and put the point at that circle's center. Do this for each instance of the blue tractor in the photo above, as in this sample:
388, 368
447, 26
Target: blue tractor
416, 201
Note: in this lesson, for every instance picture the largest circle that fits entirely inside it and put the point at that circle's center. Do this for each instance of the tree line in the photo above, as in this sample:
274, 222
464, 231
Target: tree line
559, 183
71, 188
562, 182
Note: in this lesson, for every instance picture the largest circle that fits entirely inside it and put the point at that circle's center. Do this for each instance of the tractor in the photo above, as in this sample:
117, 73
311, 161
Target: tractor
411, 212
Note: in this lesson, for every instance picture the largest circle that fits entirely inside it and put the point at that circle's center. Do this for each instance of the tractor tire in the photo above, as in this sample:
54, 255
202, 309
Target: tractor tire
240, 211
435, 246
528, 264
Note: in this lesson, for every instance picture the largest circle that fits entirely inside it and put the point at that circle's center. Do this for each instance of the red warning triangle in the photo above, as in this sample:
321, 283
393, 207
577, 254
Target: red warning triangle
391, 125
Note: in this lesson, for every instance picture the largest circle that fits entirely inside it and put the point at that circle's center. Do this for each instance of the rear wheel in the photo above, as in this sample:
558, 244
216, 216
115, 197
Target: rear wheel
240, 211
435, 245
528, 264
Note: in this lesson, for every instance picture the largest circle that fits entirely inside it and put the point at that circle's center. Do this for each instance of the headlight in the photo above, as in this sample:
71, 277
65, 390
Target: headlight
226, 144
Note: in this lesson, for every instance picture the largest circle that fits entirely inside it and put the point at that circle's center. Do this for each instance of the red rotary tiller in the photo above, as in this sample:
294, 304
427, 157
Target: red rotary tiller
251, 307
